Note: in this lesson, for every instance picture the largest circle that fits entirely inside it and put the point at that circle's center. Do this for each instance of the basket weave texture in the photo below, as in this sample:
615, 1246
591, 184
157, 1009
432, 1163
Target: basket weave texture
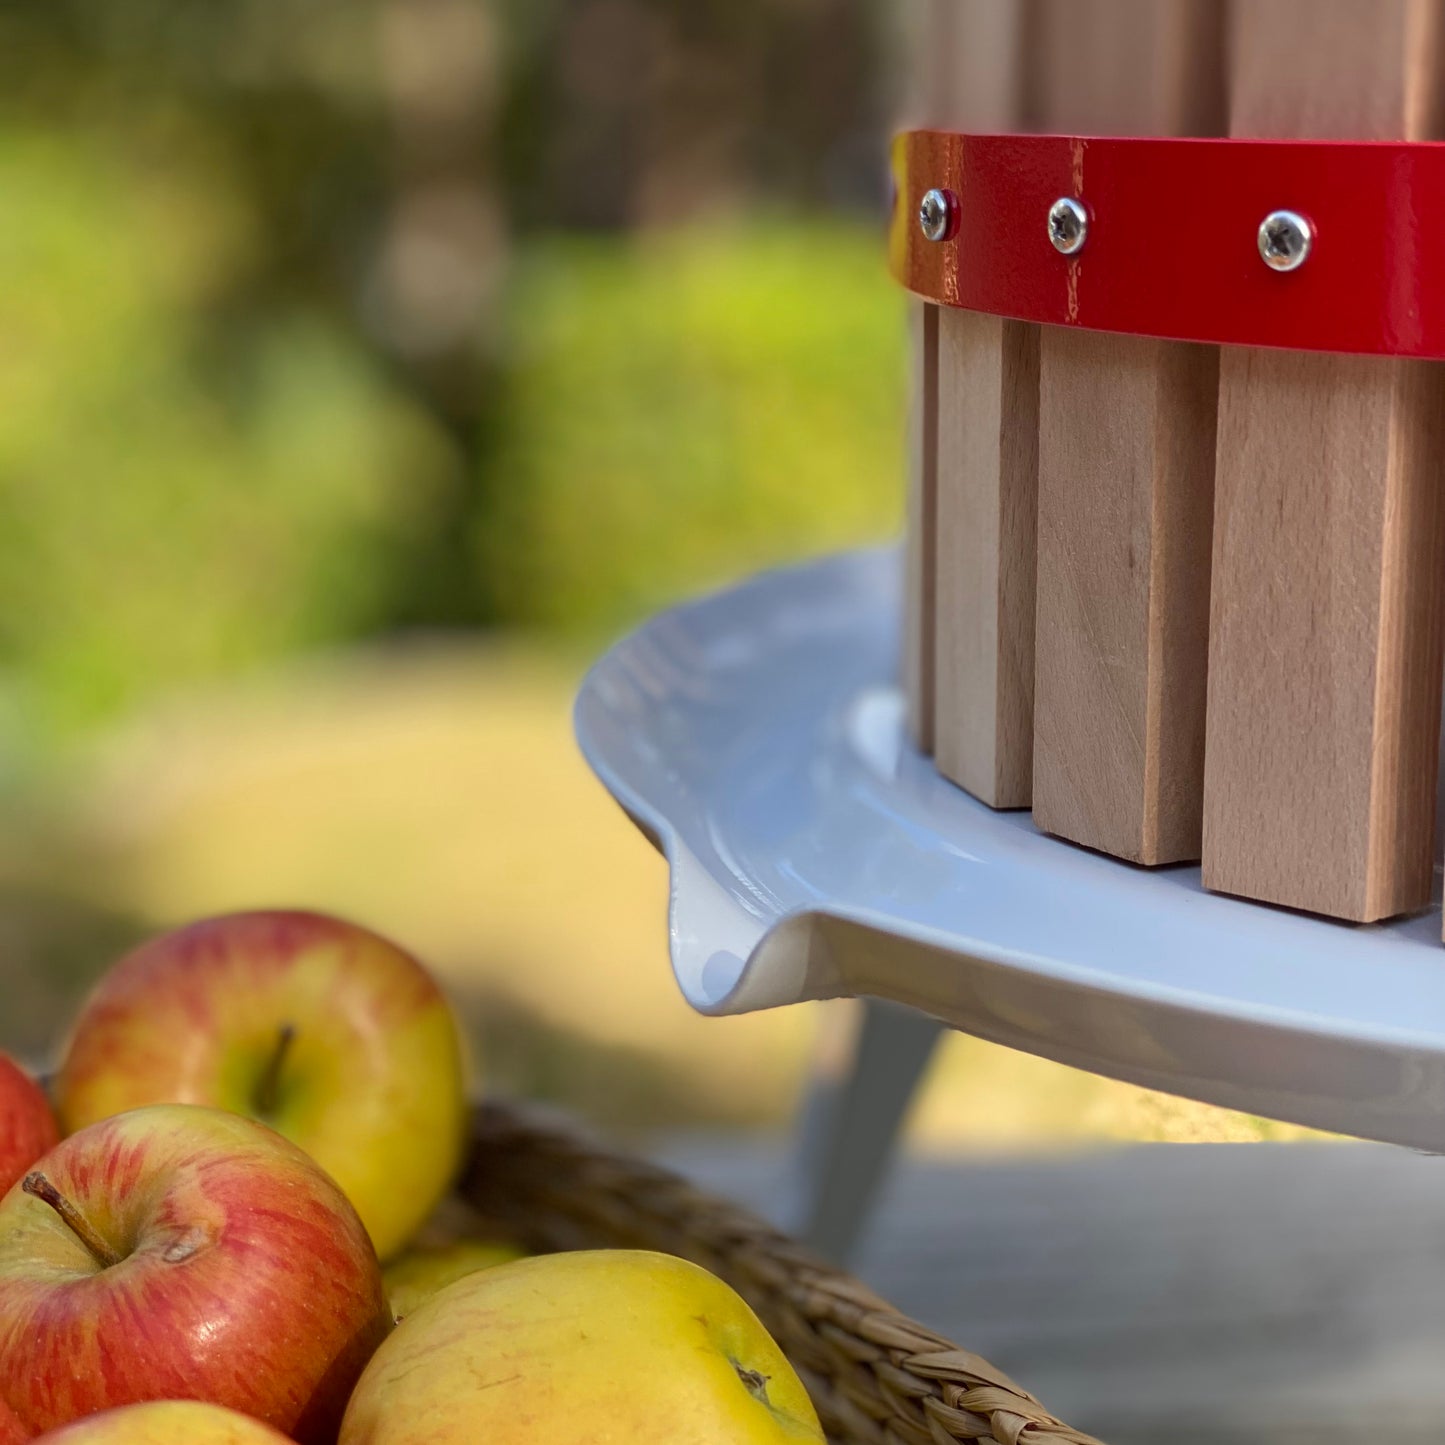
876, 1377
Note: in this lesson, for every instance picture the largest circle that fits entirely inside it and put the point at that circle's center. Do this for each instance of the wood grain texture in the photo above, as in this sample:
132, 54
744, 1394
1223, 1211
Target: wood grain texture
1126, 458
987, 461
920, 100
1127, 430
970, 66
962, 68
921, 539
1125, 67
1325, 638
987, 518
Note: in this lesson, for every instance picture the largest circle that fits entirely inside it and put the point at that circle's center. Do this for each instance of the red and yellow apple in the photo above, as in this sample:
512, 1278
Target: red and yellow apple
183, 1253
423, 1271
12, 1432
335, 1037
165, 1422
27, 1124
609, 1345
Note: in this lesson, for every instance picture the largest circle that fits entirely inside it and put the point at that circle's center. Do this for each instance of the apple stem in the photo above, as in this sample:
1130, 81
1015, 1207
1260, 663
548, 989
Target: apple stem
268, 1091
38, 1185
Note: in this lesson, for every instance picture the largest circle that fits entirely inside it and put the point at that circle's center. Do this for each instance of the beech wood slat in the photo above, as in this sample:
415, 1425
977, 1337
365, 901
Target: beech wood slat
921, 523
987, 463
1127, 427
1325, 638
920, 105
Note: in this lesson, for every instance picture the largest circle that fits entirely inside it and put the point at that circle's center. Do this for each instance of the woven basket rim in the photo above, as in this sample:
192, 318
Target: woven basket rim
876, 1376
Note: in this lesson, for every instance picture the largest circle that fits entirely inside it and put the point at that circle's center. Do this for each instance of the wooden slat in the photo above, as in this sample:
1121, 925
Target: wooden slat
987, 464
1125, 473
971, 63
1325, 640
920, 552
919, 103
987, 521
1127, 453
960, 67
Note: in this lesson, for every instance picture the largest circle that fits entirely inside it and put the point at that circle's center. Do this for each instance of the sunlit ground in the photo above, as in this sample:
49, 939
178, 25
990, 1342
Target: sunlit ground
437, 795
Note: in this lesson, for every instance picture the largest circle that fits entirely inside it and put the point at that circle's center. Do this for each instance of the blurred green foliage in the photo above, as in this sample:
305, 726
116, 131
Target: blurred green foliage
328, 323
673, 408
168, 508
682, 406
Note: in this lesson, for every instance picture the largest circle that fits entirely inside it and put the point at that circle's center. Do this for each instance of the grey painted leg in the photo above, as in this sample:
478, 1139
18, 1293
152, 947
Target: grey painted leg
851, 1119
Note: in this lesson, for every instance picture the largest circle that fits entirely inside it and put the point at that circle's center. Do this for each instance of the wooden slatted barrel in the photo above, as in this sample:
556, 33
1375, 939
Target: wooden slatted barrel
1184, 601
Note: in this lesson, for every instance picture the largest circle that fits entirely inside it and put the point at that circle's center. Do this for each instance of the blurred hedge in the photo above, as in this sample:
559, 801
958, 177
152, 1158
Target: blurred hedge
293, 353
188, 488
179, 495
684, 407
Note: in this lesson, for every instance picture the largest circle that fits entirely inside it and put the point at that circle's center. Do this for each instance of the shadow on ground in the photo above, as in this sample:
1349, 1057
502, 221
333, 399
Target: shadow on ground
51, 950
623, 1090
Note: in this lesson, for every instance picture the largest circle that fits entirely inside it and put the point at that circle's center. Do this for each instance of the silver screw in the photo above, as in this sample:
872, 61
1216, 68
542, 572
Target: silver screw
935, 215
1068, 226
1285, 240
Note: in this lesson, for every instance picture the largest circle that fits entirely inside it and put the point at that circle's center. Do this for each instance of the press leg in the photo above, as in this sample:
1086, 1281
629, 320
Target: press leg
851, 1121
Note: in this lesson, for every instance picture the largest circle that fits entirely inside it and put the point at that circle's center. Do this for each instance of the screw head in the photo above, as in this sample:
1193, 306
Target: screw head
1285, 240
936, 215
1068, 226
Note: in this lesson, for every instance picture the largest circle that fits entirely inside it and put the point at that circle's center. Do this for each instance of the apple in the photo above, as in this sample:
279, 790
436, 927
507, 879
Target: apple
426, 1270
12, 1432
333, 1036
165, 1422
176, 1252
27, 1125
604, 1345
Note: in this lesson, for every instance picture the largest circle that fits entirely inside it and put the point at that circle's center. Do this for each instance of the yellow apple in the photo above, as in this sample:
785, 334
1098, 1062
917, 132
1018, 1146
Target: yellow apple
165, 1422
424, 1271
614, 1347
333, 1036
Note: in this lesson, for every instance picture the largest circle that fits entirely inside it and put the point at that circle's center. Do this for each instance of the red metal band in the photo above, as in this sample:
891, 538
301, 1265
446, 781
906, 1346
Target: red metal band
1172, 244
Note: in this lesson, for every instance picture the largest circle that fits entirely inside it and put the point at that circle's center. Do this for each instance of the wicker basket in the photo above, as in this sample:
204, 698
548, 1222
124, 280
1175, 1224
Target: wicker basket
876, 1377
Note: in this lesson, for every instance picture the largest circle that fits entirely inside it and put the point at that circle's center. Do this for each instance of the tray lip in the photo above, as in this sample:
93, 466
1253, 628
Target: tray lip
770, 941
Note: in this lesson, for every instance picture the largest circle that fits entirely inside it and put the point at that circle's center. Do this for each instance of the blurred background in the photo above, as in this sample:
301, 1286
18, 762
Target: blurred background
366, 365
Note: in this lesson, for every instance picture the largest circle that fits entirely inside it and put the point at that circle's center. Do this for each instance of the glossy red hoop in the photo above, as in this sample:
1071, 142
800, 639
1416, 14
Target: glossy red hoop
1172, 245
